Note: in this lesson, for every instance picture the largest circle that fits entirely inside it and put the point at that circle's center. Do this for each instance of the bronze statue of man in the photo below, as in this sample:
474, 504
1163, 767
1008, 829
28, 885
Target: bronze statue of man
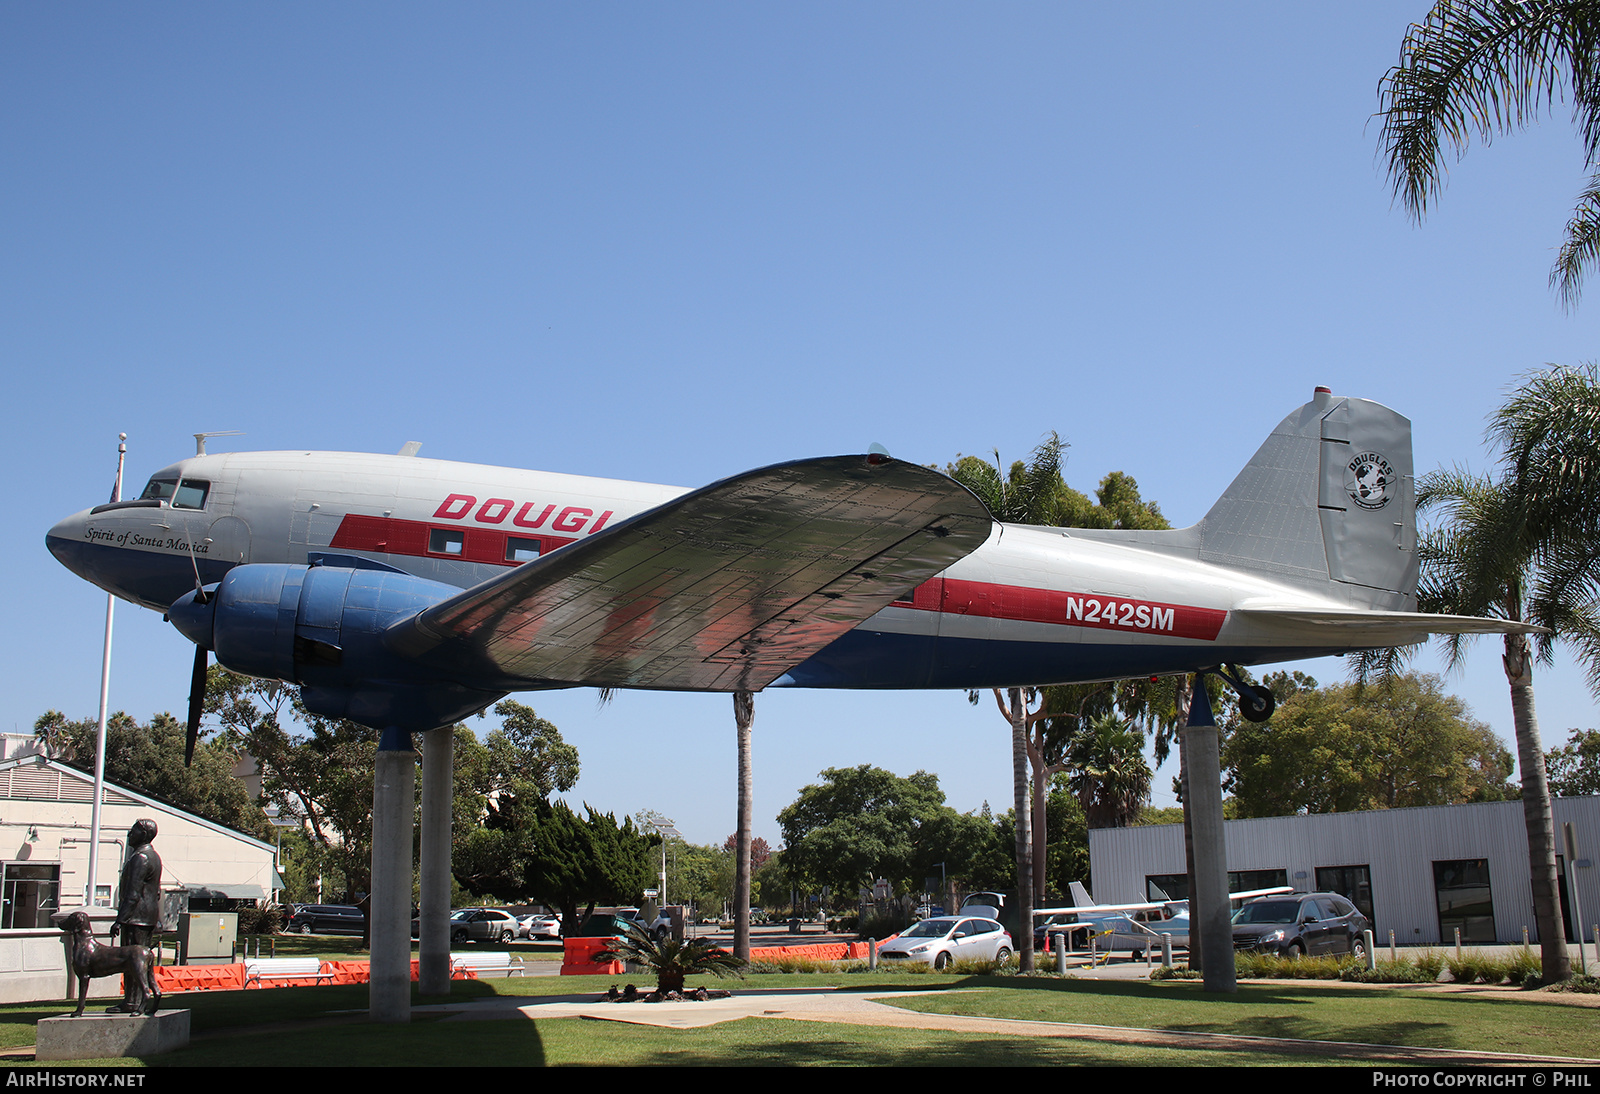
139, 900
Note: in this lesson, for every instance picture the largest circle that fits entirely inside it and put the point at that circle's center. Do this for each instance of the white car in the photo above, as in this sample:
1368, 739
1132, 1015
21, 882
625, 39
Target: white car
947, 938
538, 925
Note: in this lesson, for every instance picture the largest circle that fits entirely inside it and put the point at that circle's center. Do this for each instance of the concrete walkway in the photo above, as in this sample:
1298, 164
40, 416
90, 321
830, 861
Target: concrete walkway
866, 1008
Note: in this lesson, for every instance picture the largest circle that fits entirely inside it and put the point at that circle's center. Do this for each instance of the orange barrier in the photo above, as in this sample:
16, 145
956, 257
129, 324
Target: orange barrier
577, 958
817, 951
178, 978
182, 978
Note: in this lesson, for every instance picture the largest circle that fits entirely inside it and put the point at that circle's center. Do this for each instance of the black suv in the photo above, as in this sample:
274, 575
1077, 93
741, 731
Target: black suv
1300, 923
327, 919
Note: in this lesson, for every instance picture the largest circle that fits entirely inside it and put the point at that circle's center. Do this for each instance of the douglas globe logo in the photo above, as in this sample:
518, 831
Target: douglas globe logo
1368, 480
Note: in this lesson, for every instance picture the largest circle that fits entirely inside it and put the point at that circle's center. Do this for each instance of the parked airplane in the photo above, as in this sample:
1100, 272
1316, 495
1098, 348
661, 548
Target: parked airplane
406, 592
1136, 927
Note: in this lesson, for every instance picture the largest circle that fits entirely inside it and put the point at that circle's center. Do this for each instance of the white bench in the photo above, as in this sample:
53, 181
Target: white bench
259, 969
492, 963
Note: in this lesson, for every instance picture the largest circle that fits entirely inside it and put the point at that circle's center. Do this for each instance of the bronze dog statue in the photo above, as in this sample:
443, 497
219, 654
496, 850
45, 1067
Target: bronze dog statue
90, 959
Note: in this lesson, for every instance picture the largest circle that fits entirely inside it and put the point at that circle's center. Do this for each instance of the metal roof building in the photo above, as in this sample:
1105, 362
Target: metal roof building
1422, 873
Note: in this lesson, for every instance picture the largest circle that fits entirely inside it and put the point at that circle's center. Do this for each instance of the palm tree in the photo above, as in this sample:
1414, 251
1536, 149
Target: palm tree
670, 959
744, 713
1109, 773
1033, 493
1482, 562
1489, 67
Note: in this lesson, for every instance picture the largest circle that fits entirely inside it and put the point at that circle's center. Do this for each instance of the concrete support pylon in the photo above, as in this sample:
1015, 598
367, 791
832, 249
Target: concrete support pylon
394, 781
438, 775
1209, 918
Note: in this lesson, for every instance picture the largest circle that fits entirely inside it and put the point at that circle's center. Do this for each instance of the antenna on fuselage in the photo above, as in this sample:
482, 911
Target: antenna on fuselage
200, 438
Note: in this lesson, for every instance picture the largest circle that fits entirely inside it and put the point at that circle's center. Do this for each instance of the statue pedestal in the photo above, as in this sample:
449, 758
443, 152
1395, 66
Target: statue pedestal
106, 1036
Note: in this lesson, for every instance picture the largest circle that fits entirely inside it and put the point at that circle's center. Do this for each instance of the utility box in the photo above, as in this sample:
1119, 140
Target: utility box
208, 938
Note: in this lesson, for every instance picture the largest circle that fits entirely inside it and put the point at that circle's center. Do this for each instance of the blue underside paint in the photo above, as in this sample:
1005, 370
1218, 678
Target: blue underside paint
145, 577
861, 659
878, 659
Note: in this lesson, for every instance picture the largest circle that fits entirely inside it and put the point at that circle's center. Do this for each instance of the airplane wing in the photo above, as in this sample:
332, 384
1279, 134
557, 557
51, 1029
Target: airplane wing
1088, 909
1374, 628
721, 589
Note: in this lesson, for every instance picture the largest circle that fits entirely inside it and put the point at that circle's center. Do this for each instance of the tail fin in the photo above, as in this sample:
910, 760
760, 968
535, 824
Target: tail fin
1080, 895
1330, 497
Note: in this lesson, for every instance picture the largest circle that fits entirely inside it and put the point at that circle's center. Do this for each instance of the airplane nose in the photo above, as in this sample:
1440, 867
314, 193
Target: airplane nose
68, 541
193, 614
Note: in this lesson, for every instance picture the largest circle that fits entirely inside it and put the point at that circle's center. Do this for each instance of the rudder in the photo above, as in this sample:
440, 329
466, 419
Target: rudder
1328, 501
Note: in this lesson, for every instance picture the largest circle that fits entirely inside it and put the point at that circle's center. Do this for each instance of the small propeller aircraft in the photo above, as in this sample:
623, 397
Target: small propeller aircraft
407, 593
1136, 927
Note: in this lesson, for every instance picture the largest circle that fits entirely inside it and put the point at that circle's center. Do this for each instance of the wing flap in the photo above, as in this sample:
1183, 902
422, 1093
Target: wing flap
721, 589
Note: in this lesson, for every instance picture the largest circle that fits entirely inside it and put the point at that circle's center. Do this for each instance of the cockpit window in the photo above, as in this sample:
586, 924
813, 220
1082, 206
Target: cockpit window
159, 489
185, 494
191, 494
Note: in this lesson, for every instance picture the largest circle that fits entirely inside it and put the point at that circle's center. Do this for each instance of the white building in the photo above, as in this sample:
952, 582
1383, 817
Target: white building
1421, 873
44, 858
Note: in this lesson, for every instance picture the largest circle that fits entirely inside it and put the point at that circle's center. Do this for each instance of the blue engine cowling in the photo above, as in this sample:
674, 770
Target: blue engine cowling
322, 627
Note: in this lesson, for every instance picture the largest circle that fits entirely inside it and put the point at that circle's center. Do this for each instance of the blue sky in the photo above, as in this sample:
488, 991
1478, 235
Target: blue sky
671, 242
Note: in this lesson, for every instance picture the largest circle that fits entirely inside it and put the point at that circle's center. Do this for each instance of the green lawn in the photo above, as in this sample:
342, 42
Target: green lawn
324, 1027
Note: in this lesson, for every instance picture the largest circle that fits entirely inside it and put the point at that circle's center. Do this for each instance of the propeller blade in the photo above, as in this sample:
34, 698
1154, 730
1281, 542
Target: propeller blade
197, 702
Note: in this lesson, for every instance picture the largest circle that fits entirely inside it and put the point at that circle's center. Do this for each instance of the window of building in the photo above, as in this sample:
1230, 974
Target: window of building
1247, 881
1176, 886
1465, 900
1166, 887
29, 892
1354, 883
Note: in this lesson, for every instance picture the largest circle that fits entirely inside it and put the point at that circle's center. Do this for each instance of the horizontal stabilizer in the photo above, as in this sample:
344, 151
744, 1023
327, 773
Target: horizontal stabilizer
1375, 629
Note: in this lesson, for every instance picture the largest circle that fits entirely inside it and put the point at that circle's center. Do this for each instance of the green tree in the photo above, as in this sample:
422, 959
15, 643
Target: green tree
862, 823
1347, 747
1575, 769
148, 758
1109, 774
1033, 492
1483, 560
1487, 68
576, 863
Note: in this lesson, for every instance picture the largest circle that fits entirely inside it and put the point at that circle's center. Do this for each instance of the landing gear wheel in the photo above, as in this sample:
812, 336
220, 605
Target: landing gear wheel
1256, 703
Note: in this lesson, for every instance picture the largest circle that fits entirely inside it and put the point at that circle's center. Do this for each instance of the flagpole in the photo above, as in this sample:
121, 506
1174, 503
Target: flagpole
105, 696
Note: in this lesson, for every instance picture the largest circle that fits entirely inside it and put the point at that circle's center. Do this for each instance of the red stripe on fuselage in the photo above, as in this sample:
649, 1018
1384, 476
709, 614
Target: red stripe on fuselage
390, 535
1111, 613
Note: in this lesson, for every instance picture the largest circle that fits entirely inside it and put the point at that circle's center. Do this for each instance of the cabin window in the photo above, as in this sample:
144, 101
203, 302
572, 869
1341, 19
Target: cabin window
519, 549
446, 541
159, 489
191, 494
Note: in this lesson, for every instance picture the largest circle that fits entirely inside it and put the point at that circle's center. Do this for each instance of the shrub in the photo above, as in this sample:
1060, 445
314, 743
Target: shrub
1584, 984
1473, 967
881, 926
1524, 967
1430, 963
1388, 972
261, 920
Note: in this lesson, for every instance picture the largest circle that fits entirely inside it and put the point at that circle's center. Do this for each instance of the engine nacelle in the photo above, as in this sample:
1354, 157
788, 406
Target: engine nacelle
322, 627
